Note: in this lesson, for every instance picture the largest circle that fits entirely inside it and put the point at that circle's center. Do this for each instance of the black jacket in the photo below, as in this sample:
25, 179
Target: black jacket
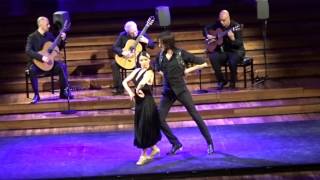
122, 40
173, 70
35, 42
228, 45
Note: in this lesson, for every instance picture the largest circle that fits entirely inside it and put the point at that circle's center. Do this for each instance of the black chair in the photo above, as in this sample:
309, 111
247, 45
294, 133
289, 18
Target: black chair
27, 76
247, 62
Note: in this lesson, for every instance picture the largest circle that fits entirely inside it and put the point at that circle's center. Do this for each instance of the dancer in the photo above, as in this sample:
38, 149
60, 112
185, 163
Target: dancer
146, 118
171, 64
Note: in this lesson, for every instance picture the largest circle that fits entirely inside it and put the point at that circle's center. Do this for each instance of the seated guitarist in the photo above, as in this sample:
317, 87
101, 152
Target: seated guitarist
130, 32
231, 51
35, 43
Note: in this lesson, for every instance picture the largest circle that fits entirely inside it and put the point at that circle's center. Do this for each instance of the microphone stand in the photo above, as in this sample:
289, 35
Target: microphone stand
200, 90
67, 89
260, 80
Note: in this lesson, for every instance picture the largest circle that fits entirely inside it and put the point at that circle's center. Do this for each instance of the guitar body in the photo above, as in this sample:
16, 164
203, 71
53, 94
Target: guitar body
129, 63
218, 34
212, 45
52, 56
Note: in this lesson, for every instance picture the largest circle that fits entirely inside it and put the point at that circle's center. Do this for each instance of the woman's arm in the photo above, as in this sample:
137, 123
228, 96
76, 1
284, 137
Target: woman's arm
125, 83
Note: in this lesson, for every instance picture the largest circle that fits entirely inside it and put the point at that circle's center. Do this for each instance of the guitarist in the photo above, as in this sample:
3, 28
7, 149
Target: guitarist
35, 42
130, 32
231, 51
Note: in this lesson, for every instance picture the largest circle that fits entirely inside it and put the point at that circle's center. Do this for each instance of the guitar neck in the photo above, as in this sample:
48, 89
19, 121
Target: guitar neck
56, 41
58, 38
145, 28
225, 32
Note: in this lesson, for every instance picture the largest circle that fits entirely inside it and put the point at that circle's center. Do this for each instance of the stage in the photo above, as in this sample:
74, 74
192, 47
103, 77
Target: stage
239, 148
261, 127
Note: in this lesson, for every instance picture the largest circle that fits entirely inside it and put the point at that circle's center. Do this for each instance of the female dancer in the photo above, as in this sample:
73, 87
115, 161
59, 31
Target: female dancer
146, 118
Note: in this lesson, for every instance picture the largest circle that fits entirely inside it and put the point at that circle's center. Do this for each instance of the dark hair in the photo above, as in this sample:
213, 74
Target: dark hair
168, 40
145, 54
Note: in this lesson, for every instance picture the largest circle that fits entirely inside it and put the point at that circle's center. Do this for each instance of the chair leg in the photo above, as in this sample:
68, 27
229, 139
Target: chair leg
226, 72
52, 83
245, 75
154, 79
252, 74
123, 73
27, 84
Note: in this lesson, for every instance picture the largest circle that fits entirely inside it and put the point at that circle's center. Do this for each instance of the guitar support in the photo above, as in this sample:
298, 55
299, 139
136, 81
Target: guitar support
67, 89
262, 80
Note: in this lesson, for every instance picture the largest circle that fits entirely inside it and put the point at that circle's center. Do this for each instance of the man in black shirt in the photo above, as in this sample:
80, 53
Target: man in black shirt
171, 64
231, 51
130, 32
35, 42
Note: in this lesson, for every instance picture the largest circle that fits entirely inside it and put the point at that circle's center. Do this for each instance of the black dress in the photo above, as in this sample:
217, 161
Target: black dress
146, 118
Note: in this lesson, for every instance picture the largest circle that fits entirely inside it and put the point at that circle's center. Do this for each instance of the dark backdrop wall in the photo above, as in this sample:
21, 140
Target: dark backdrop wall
38, 7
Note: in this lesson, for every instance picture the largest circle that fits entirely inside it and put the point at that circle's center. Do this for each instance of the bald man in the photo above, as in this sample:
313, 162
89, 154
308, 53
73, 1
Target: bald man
35, 42
231, 51
130, 32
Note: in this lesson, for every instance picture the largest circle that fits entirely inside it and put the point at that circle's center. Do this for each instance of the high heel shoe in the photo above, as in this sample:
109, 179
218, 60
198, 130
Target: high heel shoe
155, 151
142, 160
174, 149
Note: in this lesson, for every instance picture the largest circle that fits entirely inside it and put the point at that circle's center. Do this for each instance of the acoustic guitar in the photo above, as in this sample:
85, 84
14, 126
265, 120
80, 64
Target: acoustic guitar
51, 50
218, 37
135, 47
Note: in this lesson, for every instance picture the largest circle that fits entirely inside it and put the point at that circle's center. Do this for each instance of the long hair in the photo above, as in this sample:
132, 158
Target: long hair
168, 40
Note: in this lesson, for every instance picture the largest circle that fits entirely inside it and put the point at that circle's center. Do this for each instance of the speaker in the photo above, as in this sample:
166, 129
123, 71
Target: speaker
163, 15
262, 9
60, 17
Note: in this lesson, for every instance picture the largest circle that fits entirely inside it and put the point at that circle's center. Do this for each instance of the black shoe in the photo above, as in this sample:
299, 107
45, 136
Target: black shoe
210, 149
221, 85
232, 86
36, 99
66, 94
175, 148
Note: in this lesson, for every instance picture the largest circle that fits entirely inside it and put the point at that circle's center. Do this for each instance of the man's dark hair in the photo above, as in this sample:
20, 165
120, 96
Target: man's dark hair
167, 39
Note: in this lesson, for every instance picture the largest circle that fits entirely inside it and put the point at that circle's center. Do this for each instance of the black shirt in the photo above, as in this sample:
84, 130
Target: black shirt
173, 70
35, 42
122, 40
228, 45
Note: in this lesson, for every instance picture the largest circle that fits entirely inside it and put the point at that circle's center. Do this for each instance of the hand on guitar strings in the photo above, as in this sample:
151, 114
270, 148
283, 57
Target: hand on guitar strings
144, 40
127, 54
45, 59
211, 39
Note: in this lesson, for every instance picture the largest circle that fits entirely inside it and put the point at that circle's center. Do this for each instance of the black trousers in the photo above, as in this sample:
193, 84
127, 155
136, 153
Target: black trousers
219, 59
59, 68
185, 98
117, 80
